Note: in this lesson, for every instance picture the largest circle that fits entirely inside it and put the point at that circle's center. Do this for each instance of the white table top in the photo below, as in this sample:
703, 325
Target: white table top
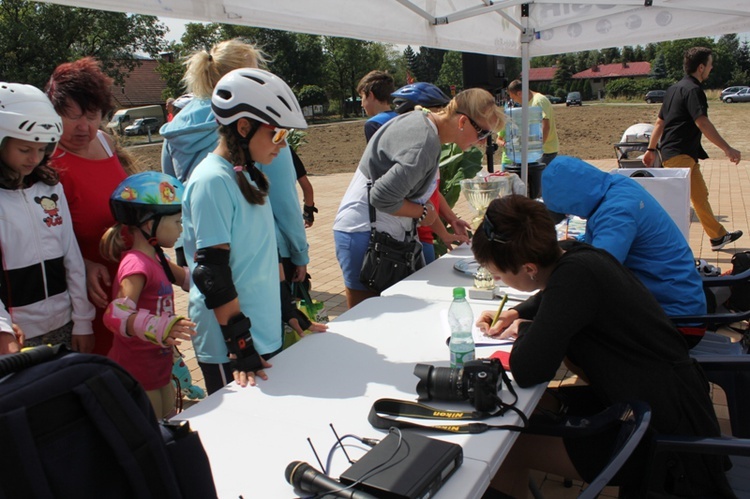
252, 434
436, 281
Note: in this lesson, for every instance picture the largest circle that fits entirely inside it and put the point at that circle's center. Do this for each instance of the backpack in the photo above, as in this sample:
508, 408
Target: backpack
78, 425
739, 299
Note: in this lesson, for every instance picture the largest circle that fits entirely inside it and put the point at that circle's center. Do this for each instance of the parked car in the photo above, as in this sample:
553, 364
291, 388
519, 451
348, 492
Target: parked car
731, 90
654, 96
554, 99
574, 99
142, 126
741, 96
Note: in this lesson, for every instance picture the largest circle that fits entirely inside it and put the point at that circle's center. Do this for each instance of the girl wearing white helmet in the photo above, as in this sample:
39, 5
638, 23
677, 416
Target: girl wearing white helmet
193, 133
44, 278
229, 234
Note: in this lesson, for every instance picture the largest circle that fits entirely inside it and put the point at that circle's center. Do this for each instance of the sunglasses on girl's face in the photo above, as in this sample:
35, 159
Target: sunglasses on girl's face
279, 133
481, 132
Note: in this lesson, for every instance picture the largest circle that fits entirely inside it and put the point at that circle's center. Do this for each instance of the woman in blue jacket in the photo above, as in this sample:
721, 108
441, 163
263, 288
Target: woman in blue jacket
625, 220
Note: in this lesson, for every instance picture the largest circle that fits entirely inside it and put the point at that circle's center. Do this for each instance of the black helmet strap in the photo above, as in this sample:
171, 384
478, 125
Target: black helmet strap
244, 143
151, 238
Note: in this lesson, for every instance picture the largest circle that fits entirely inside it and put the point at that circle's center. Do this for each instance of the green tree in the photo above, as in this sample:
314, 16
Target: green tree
674, 54
451, 73
200, 36
171, 70
346, 62
410, 57
582, 60
658, 67
36, 37
628, 54
428, 63
564, 72
312, 95
297, 58
610, 55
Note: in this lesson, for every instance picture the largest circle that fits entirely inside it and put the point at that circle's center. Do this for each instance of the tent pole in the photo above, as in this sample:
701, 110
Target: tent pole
525, 41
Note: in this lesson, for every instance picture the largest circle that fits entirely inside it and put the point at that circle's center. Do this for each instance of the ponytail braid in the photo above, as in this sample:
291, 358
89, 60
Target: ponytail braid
253, 195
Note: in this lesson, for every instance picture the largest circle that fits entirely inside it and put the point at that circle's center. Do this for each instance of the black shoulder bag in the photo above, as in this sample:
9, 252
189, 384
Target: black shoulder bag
388, 260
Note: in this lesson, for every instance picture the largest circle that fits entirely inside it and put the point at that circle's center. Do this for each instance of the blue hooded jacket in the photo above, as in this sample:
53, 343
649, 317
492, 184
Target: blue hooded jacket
193, 133
624, 219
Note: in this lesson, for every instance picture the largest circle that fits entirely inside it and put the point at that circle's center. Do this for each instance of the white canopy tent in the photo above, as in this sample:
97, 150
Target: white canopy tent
514, 28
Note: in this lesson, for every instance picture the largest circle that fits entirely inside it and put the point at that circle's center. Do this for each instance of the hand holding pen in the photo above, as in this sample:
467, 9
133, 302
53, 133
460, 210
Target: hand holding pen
495, 325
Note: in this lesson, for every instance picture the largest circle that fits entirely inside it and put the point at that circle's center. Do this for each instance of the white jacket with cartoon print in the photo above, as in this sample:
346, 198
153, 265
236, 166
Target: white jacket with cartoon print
43, 281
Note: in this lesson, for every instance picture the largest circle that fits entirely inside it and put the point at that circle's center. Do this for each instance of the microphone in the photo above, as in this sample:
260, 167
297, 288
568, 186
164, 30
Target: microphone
307, 479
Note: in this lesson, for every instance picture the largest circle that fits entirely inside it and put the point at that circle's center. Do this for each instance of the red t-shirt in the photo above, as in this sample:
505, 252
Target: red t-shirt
88, 185
425, 231
150, 364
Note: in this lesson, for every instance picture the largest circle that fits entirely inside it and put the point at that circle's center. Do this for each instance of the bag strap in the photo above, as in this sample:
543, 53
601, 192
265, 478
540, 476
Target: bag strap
136, 442
302, 291
18, 362
371, 209
384, 414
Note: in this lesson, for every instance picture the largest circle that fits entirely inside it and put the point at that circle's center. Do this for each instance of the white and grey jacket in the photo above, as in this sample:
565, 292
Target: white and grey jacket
43, 280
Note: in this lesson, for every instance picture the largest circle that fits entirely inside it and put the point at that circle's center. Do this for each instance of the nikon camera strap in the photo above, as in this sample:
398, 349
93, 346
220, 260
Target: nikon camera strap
383, 408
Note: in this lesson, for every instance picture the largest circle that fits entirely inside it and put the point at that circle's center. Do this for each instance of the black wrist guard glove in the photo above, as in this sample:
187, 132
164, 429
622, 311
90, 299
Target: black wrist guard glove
308, 213
240, 343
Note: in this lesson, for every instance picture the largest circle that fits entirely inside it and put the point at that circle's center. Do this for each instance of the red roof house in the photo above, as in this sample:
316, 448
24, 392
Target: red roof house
542, 75
599, 75
142, 87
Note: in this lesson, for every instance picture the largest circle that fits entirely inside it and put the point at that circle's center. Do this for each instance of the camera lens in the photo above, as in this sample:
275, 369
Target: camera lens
439, 383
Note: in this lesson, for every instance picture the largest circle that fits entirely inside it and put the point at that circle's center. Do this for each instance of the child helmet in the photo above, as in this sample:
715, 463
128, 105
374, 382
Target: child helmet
182, 101
27, 114
258, 95
418, 94
146, 196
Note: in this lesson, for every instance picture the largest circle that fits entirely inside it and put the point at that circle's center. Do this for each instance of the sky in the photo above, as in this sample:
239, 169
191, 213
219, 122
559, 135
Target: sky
176, 28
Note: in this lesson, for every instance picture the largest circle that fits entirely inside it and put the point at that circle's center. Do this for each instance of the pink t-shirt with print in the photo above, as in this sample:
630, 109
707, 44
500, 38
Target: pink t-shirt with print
150, 364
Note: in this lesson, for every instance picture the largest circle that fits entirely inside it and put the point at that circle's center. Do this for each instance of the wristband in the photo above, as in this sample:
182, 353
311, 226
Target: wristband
651, 149
308, 213
424, 214
239, 341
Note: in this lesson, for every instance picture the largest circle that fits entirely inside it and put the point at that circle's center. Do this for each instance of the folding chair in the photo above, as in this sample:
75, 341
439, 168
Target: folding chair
714, 343
634, 418
733, 375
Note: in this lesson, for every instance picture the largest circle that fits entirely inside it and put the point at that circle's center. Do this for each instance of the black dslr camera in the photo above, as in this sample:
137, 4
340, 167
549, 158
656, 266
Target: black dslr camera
479, 382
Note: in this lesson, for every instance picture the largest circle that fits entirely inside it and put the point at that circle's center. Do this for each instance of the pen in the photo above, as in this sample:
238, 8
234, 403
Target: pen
499, 310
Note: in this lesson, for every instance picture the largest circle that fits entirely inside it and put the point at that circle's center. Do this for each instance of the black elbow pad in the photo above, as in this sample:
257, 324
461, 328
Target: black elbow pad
213, 276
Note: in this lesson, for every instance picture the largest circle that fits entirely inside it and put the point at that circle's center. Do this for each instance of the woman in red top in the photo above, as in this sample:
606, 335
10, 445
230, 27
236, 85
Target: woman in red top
89, 171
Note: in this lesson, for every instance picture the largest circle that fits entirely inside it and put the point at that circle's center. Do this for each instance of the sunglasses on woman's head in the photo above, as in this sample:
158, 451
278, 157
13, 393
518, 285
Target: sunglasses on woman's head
481, 132
489, 231
279, 133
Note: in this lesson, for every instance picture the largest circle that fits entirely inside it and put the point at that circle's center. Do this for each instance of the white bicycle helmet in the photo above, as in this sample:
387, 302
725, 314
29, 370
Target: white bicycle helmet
182, 101
258, 95
27, 114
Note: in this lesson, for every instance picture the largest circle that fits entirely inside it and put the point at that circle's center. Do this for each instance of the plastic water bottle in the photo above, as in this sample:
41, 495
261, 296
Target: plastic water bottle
513, 143
461, 320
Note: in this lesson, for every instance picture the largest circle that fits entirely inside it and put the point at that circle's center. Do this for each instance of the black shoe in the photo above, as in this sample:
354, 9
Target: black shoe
729, 237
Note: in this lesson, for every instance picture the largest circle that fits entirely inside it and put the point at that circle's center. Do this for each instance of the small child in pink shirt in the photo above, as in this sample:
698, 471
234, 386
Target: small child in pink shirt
147, 207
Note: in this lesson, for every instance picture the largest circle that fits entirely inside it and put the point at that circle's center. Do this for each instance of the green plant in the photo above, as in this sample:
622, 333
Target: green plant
455, 165
295, 139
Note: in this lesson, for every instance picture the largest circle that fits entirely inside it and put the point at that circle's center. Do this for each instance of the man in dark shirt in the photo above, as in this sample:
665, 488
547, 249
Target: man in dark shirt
683, 119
